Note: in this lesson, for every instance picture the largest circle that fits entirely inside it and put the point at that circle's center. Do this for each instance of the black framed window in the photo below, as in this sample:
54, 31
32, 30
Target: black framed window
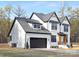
54, 26
65, 28
53, 38
36, 25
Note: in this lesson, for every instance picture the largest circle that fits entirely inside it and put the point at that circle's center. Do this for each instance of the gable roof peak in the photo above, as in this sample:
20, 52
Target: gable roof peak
45, 17
67, 19
64, 18
44, 13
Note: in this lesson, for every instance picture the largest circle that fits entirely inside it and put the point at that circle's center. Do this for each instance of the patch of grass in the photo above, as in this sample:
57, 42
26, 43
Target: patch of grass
16, 52
54, 46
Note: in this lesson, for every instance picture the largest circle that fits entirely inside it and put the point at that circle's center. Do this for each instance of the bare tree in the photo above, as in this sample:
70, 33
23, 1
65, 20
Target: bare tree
2, 13
8, 10
19, 12
62, 10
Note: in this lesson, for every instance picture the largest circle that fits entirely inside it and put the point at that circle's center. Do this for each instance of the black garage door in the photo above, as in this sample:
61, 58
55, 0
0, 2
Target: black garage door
38, 43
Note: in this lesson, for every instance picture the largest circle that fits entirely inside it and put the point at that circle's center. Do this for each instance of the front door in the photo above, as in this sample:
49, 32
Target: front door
62, 40
65, 40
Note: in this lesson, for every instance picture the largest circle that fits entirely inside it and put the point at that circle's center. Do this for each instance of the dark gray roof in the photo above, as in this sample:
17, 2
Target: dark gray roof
24, 23
28, 20
64, 18
46, 17
62, 34
29, 29
32, 21
61, 19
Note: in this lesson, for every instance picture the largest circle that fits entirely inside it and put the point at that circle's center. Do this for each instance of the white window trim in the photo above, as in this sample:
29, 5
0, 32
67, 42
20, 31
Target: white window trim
67, 29
36, 28
51, 27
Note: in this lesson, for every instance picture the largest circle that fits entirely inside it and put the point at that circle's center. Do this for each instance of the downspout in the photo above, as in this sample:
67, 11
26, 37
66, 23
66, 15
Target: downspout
26, 43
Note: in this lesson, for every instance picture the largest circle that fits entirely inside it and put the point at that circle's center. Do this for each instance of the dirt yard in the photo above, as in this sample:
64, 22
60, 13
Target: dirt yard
6, 51
17, 52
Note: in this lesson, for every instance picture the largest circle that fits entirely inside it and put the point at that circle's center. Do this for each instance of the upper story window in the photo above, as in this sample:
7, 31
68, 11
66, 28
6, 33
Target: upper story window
36, 25
65, 28
54, 26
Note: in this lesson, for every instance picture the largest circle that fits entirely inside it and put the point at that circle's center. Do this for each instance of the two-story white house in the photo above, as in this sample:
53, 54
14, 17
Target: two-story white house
40, 31
59, 27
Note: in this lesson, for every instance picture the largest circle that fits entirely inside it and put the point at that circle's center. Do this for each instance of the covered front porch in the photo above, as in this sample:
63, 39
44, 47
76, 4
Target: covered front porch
62, 40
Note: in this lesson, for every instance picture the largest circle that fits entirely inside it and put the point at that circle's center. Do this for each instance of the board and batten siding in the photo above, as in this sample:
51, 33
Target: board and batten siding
68, 33
47, 25
54, 32
53, 18
18, 35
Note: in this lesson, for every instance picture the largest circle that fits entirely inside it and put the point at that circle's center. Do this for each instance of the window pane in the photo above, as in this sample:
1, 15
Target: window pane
36, 26
53, 38
54, 26
66, 28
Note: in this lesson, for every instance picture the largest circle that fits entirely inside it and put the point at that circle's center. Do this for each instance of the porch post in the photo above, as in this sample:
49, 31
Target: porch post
59, 40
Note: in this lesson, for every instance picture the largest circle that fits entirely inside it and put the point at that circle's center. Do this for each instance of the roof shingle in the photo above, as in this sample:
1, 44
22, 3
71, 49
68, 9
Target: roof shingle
29, 29
44, 17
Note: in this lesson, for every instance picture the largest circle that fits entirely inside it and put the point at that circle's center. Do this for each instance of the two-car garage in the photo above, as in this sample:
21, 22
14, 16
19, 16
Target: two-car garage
38, 42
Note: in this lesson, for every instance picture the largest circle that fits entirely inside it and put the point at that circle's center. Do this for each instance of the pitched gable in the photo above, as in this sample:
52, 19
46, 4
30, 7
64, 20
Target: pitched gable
54, 18
26, 27
22, 18
46, 17
43, 17
29, 29
66, 21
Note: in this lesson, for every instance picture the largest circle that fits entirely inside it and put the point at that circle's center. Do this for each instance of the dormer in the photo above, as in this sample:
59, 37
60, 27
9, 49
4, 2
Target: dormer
36, 26
54, 21
34, 23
